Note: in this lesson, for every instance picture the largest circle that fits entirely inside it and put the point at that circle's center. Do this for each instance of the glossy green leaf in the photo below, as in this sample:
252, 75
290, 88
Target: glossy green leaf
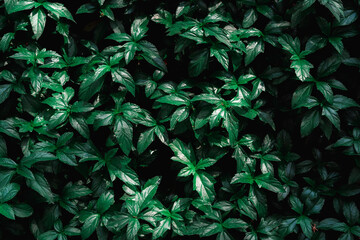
123, 132
145, 139
253, 49
90, 225
38, 20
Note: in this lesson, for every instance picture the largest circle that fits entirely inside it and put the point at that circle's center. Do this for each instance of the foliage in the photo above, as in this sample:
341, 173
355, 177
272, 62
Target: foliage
139, 119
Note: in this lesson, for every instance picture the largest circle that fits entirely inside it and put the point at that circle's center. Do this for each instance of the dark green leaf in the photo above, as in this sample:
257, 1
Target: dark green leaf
79, 124
22, 210
326, 91
301, 95
145, 139
199, 61
123, 131
310, 121
151, 55
7, 211
90, 225
8, 192
268, 182
105, 201
332, 224
253, 49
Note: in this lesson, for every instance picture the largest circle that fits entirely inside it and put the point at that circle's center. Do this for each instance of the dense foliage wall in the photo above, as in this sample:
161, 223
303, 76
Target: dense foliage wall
139, 119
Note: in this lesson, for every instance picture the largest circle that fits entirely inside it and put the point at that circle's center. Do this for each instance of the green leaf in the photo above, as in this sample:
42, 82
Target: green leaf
80, 106
40, 184
203, 184
335, 7
7, 127
72, 191
315, 43
132, 228
58, 10
250, 18
342, 102
5, 177
105, 201
5, 41
121, 75
332, 115
80, 125
326, 91
36, 157
289, 44
310, 121
204, 163
218, 33
90, 224
13, 6
268, 182
145, 139
246, 208
221, 55
300, 96
8, 192
119, 37
332, 224
57, 119
125, 174
349, 17
355, 230
173, 99
49, 235
337, 44
151, 55
209, 98
179, 115
5, 91
211, 229
37, 20
182, 152
22, 210
346, 236
242, 178
163, 17
130, 50
235, 223
232, 126
86, 8
161, 133
302, 68
89, 87
351, 213
328, 67
139, 28
198, 63
305, 224
7, 211
123, 131
163, 226
253, 49
296, 204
